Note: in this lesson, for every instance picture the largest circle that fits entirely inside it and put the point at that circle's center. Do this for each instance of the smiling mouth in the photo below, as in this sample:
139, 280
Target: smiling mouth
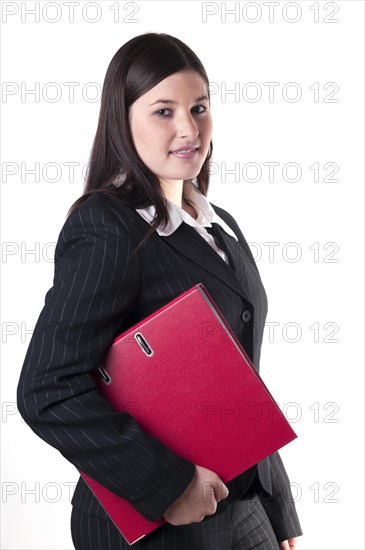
187, 154
185, 151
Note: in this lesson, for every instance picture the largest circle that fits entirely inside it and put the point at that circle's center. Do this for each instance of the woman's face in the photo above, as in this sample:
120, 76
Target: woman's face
173, 115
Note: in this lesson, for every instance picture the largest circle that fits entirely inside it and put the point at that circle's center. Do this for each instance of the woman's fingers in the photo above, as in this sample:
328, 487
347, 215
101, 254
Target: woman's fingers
198, 500
220, 491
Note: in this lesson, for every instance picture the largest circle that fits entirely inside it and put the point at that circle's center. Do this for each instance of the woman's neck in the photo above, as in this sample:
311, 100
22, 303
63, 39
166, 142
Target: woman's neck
189, 208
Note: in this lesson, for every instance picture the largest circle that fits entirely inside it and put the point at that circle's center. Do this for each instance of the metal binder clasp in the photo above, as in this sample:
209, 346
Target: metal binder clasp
143, 344
104, 375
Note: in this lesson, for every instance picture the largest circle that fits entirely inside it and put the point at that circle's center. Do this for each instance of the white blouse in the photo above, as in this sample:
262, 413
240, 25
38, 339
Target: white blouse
206, 216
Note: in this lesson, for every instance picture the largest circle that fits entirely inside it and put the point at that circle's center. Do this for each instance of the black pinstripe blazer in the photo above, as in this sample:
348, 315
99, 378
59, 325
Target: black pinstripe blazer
97, 292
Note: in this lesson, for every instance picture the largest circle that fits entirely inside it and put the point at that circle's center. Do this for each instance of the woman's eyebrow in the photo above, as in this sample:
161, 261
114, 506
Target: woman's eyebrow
169, 101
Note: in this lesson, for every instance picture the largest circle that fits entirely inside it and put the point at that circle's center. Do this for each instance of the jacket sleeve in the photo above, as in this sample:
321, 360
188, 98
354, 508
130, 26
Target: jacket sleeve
279, 505
94, 288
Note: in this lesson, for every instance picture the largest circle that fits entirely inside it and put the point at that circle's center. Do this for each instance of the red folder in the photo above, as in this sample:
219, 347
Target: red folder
184, 376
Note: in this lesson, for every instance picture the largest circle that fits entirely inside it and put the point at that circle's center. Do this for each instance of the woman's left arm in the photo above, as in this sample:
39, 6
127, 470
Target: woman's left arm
280, 506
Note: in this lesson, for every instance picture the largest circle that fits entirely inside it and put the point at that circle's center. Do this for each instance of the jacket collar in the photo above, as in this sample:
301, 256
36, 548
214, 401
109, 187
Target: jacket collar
186, 238
177, 215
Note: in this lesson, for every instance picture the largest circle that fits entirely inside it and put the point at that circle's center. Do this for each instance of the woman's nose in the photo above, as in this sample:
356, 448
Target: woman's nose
187, 127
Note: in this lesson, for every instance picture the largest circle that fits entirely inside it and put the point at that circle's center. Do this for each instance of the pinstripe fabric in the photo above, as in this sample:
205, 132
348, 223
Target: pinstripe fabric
97, 292
244, 525
280, 506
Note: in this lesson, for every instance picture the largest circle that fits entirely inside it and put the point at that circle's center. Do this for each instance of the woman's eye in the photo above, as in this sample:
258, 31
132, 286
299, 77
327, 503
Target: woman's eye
199, 109
163, 112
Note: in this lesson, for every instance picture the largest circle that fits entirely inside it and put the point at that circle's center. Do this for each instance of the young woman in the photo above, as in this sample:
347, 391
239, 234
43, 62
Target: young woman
142, 233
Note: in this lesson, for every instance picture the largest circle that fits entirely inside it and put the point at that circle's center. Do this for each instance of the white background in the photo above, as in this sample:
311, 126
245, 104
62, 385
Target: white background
318, 379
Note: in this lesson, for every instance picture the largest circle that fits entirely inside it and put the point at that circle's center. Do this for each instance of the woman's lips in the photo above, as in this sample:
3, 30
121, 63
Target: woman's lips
187, 153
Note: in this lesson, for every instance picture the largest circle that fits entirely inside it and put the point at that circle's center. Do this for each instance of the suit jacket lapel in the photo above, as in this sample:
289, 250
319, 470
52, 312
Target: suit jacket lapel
194, 247
190, 244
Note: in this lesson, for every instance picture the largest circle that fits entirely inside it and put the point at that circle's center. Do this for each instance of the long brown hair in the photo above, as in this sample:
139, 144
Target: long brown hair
136, 67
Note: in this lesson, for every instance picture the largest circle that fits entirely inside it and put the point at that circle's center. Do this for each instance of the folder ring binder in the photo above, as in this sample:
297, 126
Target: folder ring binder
143, 344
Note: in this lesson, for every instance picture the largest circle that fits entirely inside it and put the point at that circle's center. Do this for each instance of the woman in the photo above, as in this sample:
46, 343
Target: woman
141, 234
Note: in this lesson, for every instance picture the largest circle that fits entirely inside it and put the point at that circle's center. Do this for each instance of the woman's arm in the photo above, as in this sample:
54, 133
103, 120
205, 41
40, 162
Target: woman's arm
278, 501
94, 289
280, 506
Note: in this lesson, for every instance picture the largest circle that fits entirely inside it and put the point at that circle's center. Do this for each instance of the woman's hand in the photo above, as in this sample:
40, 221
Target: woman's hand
288, 544
198, 500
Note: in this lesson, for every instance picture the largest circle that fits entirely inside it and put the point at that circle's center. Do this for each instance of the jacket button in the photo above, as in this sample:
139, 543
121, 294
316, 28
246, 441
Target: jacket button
246, 315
